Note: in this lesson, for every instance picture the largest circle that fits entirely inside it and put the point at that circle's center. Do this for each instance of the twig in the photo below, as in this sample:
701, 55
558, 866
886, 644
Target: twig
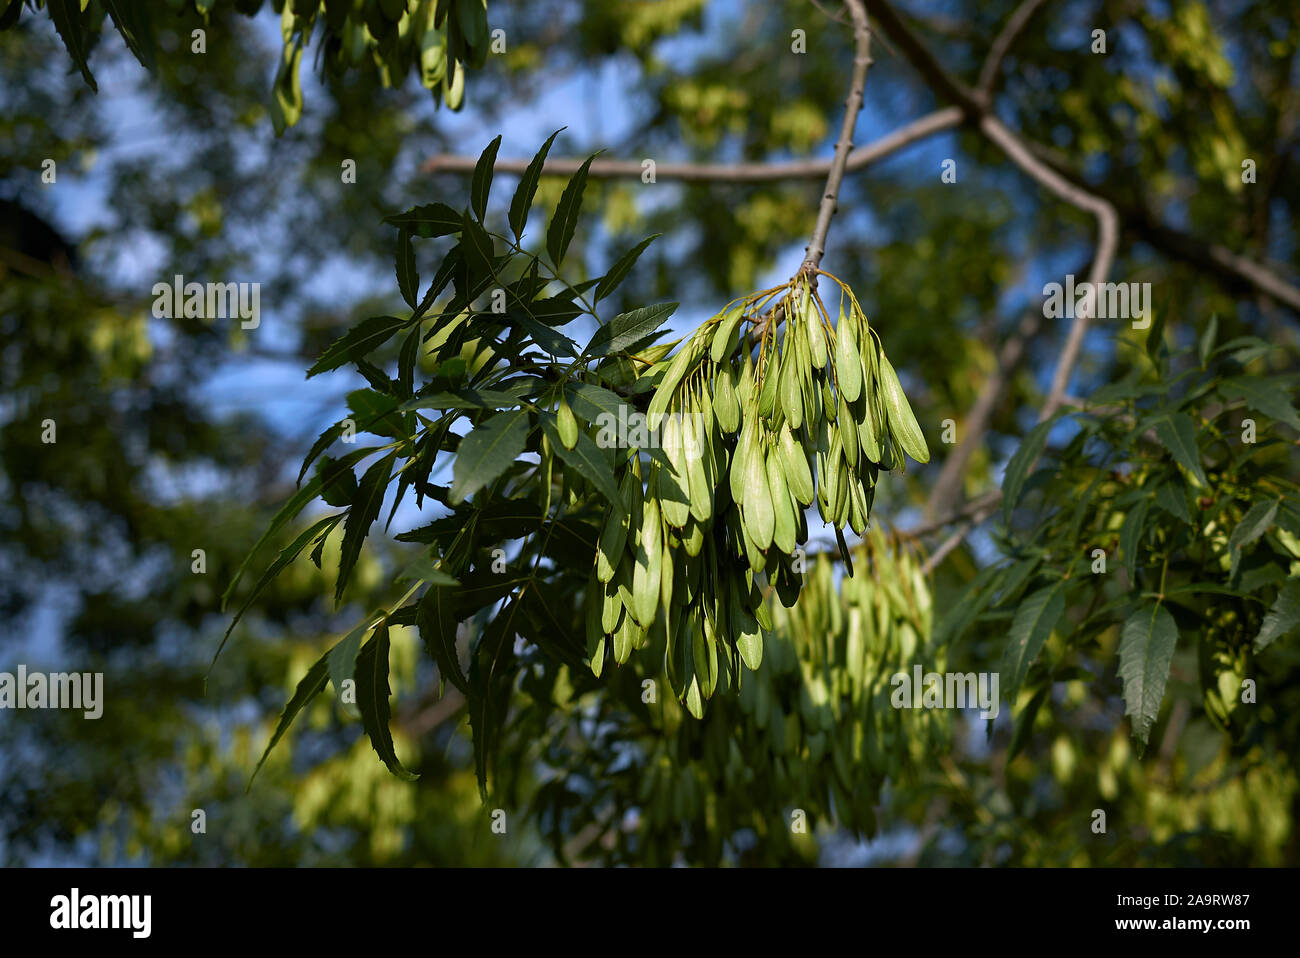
1015, 25
859, 159
852, 106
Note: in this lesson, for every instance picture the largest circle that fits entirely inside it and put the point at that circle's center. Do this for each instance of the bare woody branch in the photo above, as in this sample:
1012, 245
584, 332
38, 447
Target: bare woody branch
859, 159
852, 106
1011, 31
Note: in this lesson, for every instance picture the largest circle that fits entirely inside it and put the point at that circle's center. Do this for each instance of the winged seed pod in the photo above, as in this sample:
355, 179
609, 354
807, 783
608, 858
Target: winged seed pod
749, 430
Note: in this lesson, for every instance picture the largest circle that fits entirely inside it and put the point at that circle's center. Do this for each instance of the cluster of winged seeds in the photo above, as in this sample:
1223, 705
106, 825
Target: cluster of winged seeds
746, 437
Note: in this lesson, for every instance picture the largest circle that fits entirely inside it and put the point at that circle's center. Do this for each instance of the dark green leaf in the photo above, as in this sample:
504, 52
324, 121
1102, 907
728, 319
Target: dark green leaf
308, 687
476, 246
1253, 524
591, 402
565, 219
609, 282
364, 511
1177, 433
1130, 535
1283, 617
551, 341
487, 452
1170, 497
428, 221
437, 620
588, 460
1146, 648
408, 279
1205, 346
1013, 479
290, 552
482, 182
465, 399
628, 328
365, 337
66, 15
1034, 621
372, 701
490, 679
527, 188
1267, 396
132, 19
343, 661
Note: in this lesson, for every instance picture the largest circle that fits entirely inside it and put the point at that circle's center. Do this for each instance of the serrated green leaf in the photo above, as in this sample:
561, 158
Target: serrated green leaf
372, 701
1033, 623
550, 340
288, 511
132, 21
428, 221
408, 279
1283, 617
364, 511
1146, 648
527, 188
565, 219
481, 184
343, 659
487, 452
489, 689
616, 274
1017, 471
464, 399
1267, 396
1205, 346
308, 688
66, 15
1177, 433
1170, 497
1130, 535
290, 552
1253, 524
424, 570
477, 248
437, 620
591, 402
363, 338
628, 328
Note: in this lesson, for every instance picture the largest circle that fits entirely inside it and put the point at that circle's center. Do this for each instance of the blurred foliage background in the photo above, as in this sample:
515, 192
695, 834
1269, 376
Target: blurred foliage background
176, 435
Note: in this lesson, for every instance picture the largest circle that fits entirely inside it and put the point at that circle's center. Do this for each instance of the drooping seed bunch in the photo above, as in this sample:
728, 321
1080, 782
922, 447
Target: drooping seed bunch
749, 436
818, 713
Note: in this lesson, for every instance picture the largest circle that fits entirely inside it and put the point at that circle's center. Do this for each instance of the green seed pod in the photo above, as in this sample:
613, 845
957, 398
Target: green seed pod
649, 557
795, 463
902, 421
757, 502
783, 524
767, 389
816, 337
789, 392
672, 479
566, 424
848, 364
725, 338
726, 405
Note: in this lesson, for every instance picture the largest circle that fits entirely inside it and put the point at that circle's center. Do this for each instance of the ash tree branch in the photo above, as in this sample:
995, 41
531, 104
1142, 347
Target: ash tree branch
817, 169
1006, 39
852, 107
